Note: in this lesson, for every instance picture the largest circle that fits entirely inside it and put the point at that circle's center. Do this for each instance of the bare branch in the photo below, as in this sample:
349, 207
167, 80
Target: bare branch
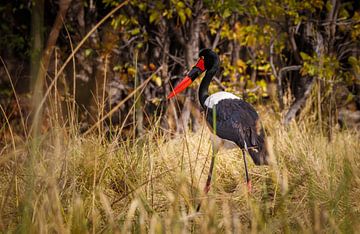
273, 69
296, 106
217, 37
294, 46
289, 68
218, 82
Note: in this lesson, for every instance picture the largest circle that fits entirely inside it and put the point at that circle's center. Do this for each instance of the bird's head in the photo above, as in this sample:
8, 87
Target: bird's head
208, 61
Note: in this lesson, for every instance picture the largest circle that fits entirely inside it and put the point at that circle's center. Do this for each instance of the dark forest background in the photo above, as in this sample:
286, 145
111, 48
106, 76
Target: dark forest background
300, 59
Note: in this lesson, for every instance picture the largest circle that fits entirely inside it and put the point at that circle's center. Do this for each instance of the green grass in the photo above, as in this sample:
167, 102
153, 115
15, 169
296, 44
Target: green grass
72, 183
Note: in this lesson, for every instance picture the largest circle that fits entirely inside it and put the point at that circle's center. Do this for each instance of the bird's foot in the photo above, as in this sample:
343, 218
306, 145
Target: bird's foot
249, 186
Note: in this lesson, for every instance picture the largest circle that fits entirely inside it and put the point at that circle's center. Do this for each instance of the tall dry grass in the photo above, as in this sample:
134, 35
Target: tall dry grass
67, 182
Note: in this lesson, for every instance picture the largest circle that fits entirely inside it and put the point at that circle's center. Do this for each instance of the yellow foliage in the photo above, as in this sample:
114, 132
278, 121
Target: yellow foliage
157, 80
131, 71
262, 84
241, 65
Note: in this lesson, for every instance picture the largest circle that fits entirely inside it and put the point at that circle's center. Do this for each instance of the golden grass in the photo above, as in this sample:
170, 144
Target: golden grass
72, 183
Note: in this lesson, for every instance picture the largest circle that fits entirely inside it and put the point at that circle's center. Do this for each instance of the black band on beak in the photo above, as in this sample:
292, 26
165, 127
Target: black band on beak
194, 73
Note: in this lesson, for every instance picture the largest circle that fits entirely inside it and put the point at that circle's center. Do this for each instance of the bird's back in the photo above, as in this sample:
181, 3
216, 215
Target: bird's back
237, 121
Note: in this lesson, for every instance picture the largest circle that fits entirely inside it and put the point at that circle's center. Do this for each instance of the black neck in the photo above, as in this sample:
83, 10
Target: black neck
204, 86
212, 65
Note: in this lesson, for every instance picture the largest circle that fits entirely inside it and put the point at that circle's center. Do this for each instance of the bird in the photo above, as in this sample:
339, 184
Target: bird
232, 119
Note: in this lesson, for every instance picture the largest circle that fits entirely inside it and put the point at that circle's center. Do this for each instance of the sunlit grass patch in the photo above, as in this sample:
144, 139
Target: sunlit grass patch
154, 184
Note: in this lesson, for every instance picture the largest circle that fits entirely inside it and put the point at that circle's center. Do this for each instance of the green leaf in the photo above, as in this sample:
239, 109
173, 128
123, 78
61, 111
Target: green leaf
305, 56
115, 23
157, 80
117, 68
182, 16
262, 84
88, 52
188, 12
142, 6
227, 13
131, 71
353, 61
135, 31
154, 16
180, 5
139, 45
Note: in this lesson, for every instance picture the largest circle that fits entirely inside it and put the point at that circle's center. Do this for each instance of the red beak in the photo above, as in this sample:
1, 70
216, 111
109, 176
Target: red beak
193, 74
180, 87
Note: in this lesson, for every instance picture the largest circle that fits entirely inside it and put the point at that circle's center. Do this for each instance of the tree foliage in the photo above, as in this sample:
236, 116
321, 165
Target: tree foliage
302, 48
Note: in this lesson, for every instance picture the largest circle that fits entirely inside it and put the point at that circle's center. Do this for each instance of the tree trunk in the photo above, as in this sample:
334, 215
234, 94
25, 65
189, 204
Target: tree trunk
171, 118
191, 51
296, 106
37, 26
45, 60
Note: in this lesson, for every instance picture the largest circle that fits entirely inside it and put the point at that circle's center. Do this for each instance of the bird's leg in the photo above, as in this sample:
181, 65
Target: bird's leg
211, 169
248, 181
208, 181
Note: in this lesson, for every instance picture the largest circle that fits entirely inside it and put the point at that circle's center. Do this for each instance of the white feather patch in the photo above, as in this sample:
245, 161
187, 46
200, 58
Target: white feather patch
217, 97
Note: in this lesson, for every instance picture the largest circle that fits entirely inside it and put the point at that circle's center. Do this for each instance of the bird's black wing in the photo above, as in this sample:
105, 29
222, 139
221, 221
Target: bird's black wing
237, 121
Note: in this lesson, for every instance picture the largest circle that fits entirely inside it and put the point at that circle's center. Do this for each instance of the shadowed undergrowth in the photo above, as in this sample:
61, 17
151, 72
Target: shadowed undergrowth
72, 183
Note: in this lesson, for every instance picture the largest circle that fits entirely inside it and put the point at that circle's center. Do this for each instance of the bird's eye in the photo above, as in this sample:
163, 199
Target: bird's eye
256, 151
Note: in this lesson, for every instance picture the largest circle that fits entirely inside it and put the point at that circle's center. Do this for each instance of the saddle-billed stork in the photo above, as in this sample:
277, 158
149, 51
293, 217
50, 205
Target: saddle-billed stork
235, 120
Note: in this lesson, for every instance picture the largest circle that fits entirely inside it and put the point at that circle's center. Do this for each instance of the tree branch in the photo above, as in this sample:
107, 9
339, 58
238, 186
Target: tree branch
294, 46
296, 106
217, 37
